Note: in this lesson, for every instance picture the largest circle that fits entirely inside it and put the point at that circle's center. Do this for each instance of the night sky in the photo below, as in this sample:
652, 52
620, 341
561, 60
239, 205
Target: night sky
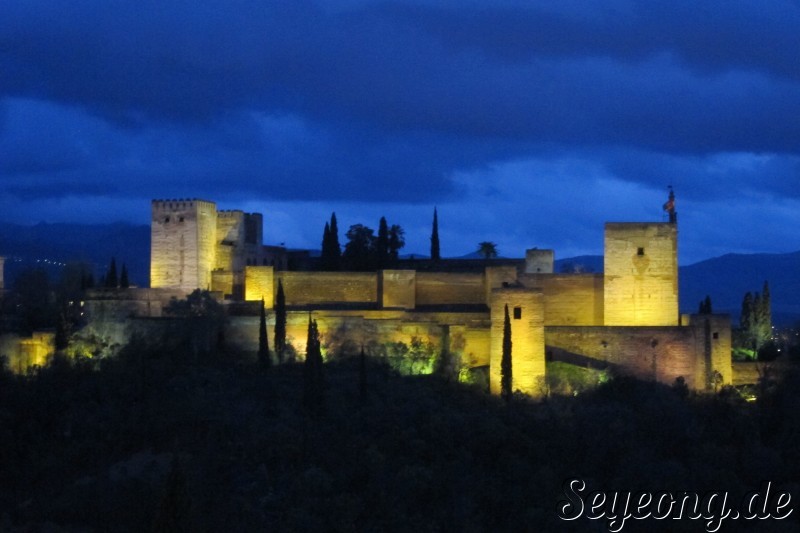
527, 123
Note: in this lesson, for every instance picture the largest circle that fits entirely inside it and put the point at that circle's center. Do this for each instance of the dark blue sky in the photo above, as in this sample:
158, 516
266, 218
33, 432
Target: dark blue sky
527, 123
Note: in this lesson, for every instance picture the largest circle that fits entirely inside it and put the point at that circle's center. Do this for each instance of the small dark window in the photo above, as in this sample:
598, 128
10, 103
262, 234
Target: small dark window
517, 313
180, 219
716, 335
640, 251
166, 219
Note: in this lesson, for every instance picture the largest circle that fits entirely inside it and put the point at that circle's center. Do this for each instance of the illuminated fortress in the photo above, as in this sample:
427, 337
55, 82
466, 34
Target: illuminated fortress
625, 319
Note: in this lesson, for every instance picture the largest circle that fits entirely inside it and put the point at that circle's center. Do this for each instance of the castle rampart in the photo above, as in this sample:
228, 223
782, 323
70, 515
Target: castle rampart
626, 318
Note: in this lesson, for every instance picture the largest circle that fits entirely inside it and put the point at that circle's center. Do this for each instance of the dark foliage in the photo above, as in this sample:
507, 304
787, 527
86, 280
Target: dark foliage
331, 250
755, 322
435, 255
506, 371
263, 342
313, 378
280, 323
705, 306
111, 280
148, 440
359, 252
124, 282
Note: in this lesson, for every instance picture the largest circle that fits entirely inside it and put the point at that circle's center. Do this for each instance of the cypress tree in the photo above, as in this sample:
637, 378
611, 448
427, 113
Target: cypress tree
123, 277
280, 322
505, 363
335, 248
263, 342
325, 256
111, 276
435, 256
313, 381
382, 244
746, 317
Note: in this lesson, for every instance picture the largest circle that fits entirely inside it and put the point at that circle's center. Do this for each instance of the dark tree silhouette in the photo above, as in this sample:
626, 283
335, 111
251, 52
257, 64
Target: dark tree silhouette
280, 323
335, 248
487, 249
396, 241
505, 362
705, 306
313, 380
263, 342
382, 245
435, 256
111, 276
124, 282
359, 250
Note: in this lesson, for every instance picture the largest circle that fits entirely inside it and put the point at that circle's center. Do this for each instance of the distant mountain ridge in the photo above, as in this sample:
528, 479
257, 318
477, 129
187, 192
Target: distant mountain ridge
95, 244
725, 279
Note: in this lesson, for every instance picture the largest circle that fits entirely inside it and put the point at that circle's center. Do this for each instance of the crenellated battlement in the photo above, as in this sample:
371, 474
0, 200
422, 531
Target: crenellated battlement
180, 204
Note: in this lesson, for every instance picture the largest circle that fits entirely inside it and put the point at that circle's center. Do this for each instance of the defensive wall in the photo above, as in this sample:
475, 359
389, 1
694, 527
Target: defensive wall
694, 351
626, 318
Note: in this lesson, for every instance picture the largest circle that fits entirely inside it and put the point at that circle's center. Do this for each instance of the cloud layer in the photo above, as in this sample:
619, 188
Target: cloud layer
521, 117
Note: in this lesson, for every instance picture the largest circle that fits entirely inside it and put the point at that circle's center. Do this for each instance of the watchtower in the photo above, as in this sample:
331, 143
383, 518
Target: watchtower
183, 238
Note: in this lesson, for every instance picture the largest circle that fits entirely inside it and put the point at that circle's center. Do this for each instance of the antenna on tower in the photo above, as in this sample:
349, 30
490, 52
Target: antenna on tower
669, 207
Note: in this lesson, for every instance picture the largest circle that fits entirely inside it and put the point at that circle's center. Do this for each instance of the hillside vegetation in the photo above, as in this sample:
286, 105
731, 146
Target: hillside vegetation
171, 442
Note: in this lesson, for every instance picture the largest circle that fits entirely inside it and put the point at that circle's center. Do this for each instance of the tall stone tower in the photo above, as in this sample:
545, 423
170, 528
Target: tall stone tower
183, 242
641, 274
526, 313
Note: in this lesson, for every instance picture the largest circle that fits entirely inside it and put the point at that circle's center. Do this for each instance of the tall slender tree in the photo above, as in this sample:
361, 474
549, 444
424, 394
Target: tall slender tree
111, 276
313, 379
325, 259
123, 277
435, 256
506, 379
263, 341
746, 317
335, 247
382, 245
280, 323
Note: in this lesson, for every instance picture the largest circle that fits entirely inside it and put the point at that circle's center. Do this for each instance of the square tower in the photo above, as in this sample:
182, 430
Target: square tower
640, 286
183, 239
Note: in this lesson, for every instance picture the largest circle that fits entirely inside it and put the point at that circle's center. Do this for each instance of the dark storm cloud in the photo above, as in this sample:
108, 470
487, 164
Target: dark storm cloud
395, 102
588, 74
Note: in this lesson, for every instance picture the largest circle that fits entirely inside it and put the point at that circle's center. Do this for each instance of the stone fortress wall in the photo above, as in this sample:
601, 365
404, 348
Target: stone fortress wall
626, 319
